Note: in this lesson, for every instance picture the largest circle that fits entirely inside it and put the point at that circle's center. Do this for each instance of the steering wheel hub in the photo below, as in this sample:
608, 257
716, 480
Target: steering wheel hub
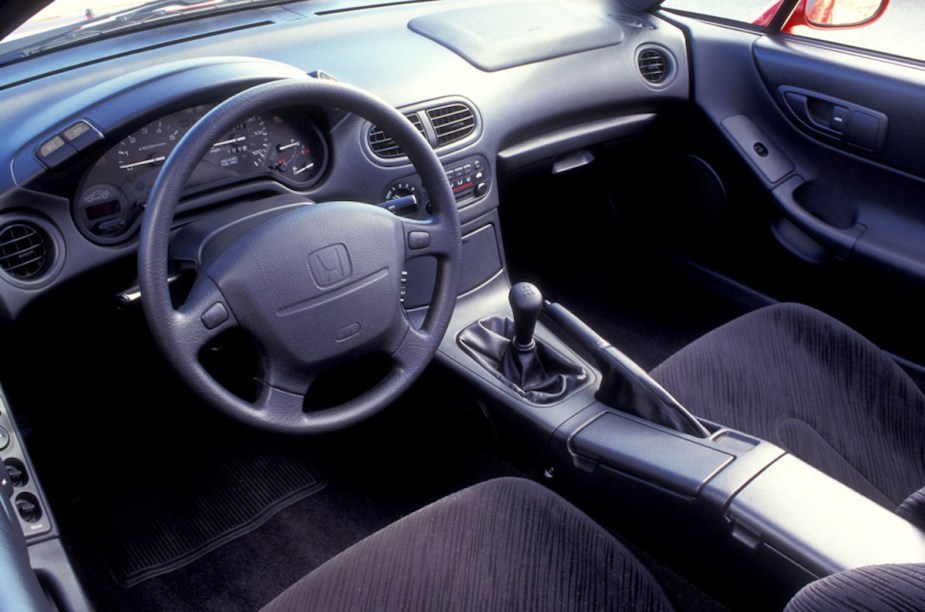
316, 284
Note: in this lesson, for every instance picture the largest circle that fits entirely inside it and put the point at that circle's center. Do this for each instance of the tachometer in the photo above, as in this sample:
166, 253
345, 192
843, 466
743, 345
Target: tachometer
148, 147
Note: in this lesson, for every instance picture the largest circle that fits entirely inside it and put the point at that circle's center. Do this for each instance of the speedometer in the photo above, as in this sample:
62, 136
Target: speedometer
246, 144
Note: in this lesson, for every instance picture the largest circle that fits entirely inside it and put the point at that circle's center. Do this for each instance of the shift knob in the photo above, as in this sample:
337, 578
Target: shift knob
526, 303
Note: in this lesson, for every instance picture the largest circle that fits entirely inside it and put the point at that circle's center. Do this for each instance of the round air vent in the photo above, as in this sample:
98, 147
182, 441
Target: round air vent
31, 250
655, 65
24, 250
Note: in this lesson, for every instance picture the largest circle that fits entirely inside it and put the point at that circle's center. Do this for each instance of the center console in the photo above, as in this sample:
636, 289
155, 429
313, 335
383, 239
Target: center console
708, 495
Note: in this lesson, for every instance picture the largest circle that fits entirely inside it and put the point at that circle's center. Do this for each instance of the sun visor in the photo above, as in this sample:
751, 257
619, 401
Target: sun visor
507, 35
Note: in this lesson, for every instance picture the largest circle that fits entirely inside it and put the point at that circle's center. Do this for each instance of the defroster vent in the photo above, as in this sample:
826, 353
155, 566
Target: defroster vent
24, 250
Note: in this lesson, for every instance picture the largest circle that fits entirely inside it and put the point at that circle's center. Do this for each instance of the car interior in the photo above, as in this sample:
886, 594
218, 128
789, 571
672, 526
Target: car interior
460, 304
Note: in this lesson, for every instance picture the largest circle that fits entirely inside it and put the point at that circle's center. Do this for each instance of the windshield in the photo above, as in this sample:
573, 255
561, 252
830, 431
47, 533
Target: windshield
67, 22
67, 13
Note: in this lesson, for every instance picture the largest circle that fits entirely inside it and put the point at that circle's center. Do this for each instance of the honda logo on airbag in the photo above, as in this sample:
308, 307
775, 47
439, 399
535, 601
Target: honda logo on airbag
330, 265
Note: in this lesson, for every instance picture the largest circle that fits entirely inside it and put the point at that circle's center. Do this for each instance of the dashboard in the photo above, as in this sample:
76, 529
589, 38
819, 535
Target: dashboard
490, 85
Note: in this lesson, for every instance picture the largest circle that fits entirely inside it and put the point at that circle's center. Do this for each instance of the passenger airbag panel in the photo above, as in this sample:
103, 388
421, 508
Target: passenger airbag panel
507, 35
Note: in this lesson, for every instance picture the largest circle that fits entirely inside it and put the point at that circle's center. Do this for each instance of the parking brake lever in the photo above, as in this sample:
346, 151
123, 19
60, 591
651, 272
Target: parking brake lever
625, 385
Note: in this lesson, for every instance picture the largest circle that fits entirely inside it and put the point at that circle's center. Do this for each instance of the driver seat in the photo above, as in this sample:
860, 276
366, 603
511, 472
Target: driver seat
511, 544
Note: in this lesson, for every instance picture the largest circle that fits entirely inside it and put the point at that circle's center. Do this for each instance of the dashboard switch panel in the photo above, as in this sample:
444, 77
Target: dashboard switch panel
28, 497
465, 177
469, 179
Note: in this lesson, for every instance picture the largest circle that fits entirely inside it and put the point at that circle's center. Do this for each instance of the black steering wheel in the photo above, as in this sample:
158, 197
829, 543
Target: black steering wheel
315, 285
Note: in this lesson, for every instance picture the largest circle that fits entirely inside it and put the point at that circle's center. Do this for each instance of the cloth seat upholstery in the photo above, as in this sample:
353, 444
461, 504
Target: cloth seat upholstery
798, 378
510, 544
786, 373
505, 544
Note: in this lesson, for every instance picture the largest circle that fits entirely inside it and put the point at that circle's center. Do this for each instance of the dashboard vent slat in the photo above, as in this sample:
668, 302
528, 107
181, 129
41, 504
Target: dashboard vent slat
452, 122
654, 65
384, 146
447, 123
23, 250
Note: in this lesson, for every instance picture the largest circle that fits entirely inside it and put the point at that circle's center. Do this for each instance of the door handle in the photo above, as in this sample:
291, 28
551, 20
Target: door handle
820, 114
850, 123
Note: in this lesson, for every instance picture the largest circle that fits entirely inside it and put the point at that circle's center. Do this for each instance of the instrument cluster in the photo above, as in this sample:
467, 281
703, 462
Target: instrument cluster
285, 146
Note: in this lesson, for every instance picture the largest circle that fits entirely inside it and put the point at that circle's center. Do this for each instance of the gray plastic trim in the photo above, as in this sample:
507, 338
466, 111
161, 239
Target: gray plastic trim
654, 454
574, 137
513, 34
758, 148
819, 523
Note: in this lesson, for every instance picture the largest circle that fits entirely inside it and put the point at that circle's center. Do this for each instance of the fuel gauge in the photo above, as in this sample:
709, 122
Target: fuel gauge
296, 160
297, 148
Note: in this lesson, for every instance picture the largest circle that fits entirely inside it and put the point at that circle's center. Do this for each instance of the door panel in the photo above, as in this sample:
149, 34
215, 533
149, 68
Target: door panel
872, 89
834, 141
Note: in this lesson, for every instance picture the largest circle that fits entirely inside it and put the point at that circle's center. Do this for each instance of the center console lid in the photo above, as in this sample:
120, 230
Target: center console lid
820, 523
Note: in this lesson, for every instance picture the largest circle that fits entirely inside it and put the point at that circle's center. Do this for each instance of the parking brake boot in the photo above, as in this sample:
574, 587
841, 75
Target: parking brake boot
626, 386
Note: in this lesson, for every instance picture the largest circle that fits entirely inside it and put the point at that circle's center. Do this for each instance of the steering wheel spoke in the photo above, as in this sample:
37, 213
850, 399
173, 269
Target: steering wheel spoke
433, 238
203, 316
407, 344
283, 393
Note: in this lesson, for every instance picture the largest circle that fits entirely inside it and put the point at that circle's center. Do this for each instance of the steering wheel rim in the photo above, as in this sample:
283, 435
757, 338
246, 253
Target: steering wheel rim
181, 333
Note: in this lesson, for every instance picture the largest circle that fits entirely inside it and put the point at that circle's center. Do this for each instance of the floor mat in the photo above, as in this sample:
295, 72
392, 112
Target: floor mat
189, 497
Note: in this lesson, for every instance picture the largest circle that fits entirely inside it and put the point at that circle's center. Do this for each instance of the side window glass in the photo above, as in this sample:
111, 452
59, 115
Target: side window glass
887, 26
745, 11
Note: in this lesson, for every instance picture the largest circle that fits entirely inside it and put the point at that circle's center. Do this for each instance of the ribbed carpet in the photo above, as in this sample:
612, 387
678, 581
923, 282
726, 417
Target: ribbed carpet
189, 498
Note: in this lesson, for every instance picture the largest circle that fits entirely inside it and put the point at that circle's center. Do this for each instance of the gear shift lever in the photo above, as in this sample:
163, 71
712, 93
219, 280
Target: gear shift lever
507, 349
526, 303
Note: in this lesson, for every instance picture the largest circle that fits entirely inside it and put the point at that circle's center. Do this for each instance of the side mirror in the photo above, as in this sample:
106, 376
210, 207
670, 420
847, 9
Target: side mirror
825, 14
841, 13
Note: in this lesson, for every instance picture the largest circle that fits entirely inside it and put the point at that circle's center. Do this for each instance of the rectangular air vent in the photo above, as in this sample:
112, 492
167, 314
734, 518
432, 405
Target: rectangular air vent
382, 144
447, 123
452, 122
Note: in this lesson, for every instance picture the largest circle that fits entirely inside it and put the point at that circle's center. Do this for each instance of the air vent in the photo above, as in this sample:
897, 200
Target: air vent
383, 145
443, 123
654, 65
24, 250
452, 123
